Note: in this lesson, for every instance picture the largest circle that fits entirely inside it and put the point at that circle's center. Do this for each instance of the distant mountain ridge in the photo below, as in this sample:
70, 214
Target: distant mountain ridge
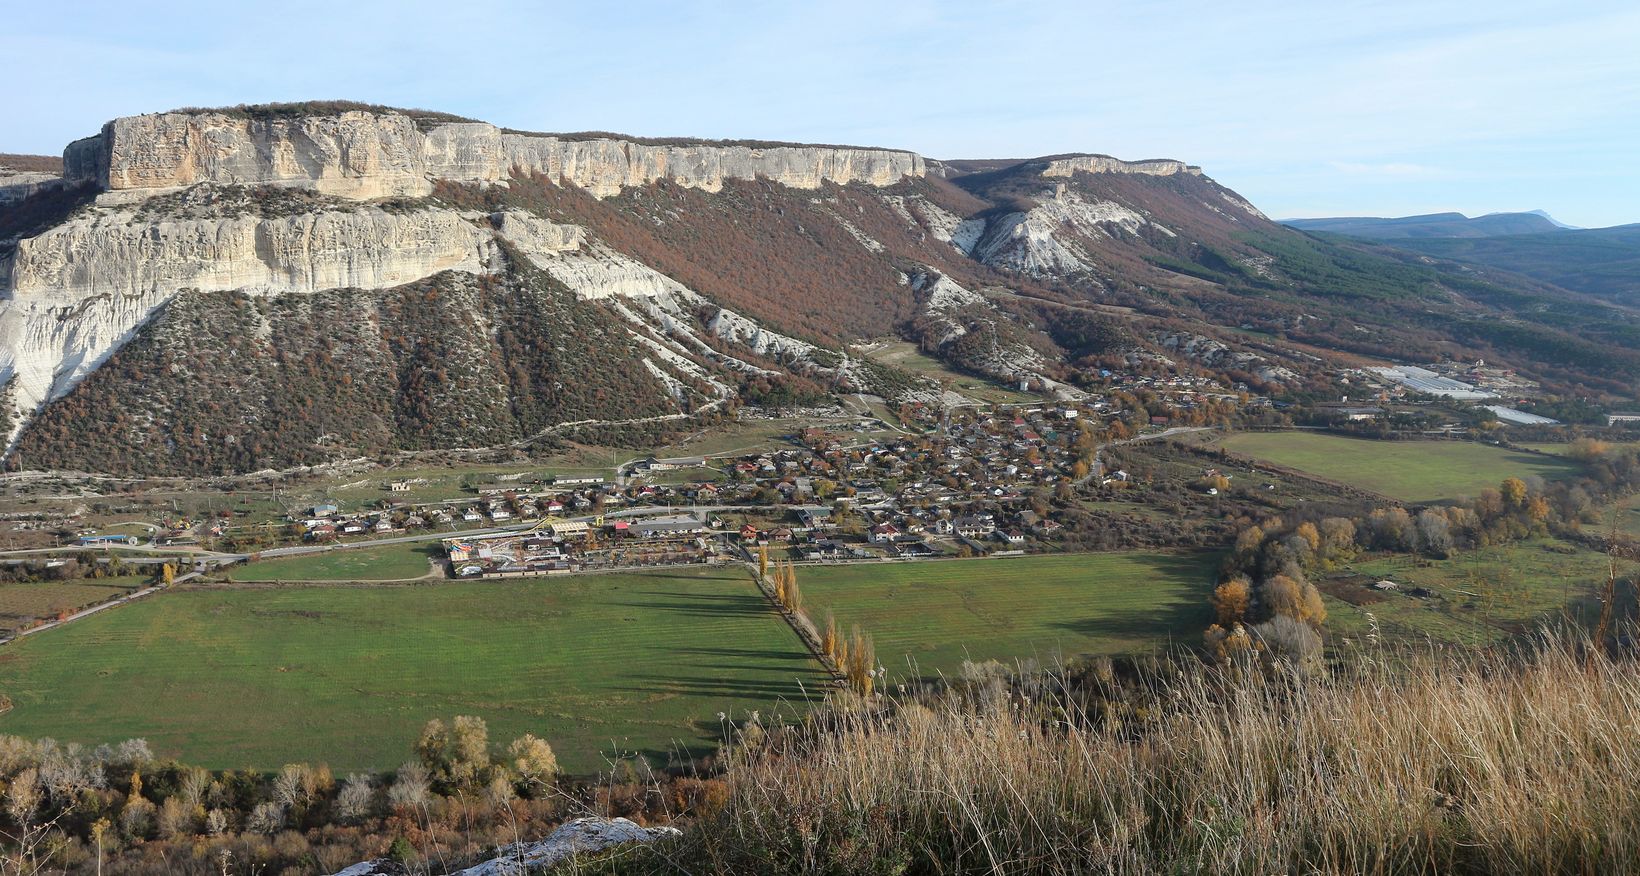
1441, 225
1604, 262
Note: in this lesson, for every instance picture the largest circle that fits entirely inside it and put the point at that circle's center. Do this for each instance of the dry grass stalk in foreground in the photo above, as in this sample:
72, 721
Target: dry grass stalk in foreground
1480, 764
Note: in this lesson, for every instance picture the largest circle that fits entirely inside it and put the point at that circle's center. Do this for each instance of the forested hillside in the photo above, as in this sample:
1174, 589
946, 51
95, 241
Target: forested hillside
1604, 262
224, 382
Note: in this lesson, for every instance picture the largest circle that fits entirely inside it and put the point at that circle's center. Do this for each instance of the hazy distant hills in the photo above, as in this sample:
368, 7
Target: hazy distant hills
1597, 261
1442, 225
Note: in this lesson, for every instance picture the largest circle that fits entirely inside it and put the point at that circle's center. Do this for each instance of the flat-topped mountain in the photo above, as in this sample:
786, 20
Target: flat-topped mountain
226, 290
363, 154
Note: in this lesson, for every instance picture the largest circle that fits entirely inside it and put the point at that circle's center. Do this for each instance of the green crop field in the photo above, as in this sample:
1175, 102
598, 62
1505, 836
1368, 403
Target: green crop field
597, 664
395, 562
1411, 471
22, 602
939, 613
1476, 598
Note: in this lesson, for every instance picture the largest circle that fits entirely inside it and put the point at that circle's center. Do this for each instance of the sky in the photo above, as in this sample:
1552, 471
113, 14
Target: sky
1307, 109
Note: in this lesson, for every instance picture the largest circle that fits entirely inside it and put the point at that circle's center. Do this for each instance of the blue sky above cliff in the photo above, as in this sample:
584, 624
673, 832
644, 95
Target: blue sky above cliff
1383, 108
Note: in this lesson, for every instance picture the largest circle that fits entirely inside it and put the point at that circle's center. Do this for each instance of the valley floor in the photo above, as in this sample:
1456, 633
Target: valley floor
604, 666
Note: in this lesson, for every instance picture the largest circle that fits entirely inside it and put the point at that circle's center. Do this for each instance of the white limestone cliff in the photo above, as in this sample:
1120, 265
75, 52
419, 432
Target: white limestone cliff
368, 155
370, 248
1105, 164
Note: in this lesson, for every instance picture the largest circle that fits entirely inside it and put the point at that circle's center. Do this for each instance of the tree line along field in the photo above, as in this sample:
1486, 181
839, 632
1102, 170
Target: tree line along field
1410, 471
600, 665
926, 618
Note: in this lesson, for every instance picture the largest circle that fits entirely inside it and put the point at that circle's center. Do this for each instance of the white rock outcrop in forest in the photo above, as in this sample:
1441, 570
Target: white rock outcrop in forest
1033, 242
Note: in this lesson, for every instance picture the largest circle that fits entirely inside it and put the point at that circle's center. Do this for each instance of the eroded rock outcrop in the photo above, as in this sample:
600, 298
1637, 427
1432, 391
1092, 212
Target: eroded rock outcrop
579, 837
1034, 241
1217, 354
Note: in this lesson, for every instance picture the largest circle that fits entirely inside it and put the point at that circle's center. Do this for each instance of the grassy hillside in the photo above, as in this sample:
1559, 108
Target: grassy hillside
1441, 764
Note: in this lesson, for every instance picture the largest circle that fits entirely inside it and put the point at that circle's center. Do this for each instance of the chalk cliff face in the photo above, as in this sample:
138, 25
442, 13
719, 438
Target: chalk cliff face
369, 155
367, 248
1106, 164
78, 291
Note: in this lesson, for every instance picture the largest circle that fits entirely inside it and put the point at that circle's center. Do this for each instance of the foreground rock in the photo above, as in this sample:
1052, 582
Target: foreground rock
580, 836
378, 867
577, 837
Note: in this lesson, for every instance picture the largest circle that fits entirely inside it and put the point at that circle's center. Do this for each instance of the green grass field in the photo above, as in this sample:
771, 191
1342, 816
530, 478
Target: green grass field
396, 562
596, 664
21, 602
1411, 471
1479, 597
940, 613
1625, 515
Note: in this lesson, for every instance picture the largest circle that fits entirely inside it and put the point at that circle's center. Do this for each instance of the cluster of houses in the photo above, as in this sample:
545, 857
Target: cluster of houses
558, 546
978, 481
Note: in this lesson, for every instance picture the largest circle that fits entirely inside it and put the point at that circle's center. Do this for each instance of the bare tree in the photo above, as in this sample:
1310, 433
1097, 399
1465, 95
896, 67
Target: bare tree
356, 799
411, 786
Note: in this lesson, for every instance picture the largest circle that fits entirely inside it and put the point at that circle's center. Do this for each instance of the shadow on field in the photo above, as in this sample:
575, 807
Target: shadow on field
706, 604
1184, 620
749, 653
719, 688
